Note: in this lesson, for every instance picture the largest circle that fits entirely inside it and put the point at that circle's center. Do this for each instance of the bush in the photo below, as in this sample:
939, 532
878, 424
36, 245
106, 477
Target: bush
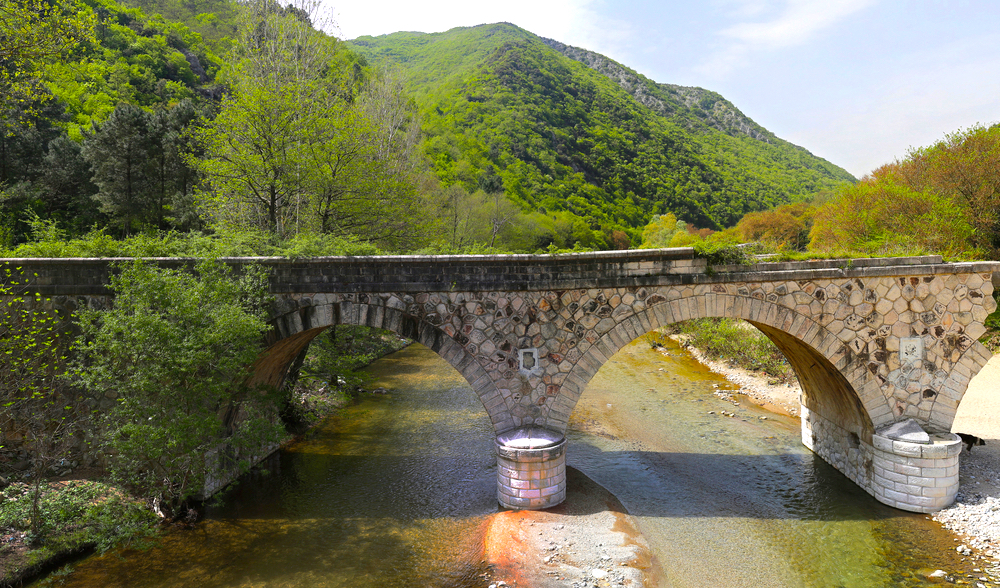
77, 514
173, 352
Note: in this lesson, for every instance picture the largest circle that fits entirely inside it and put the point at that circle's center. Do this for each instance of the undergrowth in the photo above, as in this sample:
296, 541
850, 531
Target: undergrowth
77, 515
330, 375
733, 341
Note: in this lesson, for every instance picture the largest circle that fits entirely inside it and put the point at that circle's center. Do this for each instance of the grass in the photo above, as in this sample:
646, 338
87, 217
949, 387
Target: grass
77, 516
733, 341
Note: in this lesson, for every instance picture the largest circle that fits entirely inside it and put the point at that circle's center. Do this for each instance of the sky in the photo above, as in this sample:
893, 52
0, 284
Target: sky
857, 82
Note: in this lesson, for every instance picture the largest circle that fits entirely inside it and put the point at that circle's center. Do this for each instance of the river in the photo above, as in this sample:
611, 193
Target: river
397, 489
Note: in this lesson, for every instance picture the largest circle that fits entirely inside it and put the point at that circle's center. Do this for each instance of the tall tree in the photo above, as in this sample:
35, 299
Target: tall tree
119, 154
298, 145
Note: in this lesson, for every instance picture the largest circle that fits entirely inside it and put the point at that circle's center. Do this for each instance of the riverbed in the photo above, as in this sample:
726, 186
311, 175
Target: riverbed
399, 490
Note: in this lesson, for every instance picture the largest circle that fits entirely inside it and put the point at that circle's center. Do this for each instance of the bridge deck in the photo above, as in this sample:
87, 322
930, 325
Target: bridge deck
473, 273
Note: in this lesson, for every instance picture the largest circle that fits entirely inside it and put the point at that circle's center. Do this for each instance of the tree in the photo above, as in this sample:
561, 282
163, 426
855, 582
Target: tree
174, 352
37, 408
33, 32
256, 148
139, 163
966, 166
659, 232
65, 188
880, 217
963, 168
119, 155
300, 144
785, 227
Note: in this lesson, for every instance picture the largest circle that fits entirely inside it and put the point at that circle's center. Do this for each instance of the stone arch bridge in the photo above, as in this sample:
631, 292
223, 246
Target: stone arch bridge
874, 342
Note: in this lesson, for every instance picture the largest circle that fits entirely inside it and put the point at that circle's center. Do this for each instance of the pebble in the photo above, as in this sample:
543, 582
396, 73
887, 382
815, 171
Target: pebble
598, 573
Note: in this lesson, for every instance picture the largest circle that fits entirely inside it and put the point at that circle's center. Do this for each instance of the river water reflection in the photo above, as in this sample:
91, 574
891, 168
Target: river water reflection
396, 491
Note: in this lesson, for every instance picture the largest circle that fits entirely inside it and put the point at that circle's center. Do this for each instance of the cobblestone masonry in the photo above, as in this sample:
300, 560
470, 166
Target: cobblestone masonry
872, 340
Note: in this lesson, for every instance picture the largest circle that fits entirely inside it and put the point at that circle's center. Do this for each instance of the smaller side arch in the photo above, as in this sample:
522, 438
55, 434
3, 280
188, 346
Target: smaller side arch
297, 326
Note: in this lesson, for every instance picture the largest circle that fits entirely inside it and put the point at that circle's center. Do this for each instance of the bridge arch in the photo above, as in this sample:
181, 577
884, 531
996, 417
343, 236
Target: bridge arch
874, 341
298, 324
816, 355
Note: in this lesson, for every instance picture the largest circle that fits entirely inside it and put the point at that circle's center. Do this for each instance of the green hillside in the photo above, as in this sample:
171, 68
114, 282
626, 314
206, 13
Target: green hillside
568, 129
214, 20
135, 58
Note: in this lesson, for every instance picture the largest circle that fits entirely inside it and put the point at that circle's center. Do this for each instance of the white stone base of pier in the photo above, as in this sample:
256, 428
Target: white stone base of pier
531, 468
916, 477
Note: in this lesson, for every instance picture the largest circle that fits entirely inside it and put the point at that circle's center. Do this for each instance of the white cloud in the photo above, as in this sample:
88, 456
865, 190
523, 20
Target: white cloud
798, 23
794, 22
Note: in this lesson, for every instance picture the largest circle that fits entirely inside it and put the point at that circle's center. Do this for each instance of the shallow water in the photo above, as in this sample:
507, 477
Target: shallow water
737, 501
396, 490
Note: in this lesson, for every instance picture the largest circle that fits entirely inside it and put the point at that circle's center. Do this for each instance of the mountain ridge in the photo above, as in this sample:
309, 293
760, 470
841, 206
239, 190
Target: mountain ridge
569, 129
690, 96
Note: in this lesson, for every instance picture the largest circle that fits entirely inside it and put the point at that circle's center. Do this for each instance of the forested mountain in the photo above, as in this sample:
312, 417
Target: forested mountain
224, 116
214, 20
566, 129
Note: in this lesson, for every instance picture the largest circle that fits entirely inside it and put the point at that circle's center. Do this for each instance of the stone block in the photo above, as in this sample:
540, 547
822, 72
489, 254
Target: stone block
922, 481
935, 492
906, 449
946, 482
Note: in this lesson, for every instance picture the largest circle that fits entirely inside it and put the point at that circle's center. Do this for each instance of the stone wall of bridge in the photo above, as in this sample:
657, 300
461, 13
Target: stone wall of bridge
872, 341
869, 350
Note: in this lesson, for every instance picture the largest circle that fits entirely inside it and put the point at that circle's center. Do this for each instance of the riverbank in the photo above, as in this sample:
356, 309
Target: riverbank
82, 515
781, 398
975, 515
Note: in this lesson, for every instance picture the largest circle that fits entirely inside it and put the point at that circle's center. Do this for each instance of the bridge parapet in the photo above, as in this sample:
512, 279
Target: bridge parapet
476, 273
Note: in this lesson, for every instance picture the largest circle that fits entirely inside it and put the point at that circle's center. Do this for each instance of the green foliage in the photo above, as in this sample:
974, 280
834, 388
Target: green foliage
722, 252
942, 199
300, 145
132, 58
174, 351
661, 230
991, 339
48, 240
36, 410
880, 217
320, 245
785, 227
137, 162
214, 20
563, 137
737, 342
78, 514
32, 34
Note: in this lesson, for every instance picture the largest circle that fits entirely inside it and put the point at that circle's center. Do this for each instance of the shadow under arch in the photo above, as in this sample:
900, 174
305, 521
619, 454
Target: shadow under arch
295, 329
819, 358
